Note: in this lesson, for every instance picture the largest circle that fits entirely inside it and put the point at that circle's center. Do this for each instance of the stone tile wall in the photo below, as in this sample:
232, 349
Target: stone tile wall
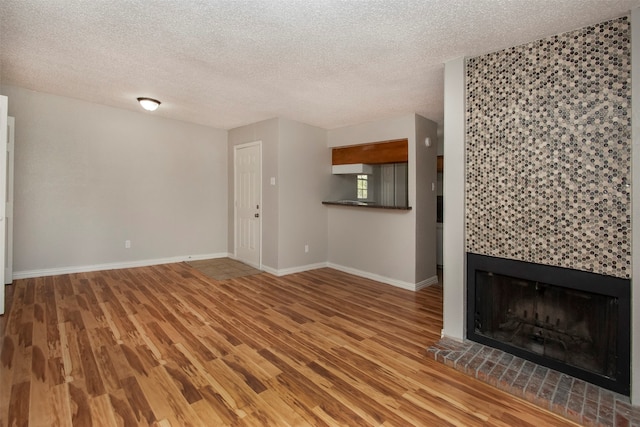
548, 151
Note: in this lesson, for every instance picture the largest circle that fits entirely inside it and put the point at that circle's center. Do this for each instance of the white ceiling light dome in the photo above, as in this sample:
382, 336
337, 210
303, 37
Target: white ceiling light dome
149, 104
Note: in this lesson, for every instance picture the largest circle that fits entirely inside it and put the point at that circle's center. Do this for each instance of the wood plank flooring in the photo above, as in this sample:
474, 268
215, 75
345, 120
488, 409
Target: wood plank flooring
167, 346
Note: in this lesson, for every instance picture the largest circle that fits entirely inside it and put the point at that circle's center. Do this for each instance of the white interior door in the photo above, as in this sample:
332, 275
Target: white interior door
8, 259
248, 201
4, 103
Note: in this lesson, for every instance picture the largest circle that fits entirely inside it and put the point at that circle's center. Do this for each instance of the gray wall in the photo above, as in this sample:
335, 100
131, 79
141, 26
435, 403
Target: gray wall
268, 132
379, 241
293, 216
304, 171
425, 201
88, 177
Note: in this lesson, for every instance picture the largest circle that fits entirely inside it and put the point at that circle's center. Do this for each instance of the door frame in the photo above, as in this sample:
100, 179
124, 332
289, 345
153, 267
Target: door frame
235, 198
8, 267
4, 135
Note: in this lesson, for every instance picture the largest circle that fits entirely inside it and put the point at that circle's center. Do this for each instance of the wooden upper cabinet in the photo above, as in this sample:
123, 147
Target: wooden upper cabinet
396, 151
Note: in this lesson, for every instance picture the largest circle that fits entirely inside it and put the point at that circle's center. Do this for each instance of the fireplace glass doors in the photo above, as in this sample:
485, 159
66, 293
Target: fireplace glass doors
564, 319
574, 327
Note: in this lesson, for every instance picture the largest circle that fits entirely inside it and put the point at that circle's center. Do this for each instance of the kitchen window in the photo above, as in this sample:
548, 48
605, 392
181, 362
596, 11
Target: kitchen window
363, 187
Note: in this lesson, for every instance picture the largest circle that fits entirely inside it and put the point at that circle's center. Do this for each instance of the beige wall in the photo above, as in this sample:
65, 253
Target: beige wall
88, 177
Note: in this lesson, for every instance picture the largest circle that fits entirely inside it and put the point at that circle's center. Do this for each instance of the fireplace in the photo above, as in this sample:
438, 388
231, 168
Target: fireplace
572, 321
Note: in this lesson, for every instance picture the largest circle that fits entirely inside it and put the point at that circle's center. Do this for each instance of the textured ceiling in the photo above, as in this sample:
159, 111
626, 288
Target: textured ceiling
229, 63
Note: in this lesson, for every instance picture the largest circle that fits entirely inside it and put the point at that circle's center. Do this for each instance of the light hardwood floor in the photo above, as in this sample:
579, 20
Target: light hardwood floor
167, 346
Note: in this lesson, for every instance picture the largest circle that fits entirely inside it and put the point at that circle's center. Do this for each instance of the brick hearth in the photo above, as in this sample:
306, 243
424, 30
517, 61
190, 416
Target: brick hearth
571, 397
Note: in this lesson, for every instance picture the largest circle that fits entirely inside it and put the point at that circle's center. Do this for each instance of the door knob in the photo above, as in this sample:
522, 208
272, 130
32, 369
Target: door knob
257, 215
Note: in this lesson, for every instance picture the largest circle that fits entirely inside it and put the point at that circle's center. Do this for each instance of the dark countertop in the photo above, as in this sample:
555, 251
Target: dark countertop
361, 204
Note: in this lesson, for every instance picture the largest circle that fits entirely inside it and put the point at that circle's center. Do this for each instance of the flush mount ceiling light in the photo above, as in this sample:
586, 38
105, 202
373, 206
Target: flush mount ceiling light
149, 104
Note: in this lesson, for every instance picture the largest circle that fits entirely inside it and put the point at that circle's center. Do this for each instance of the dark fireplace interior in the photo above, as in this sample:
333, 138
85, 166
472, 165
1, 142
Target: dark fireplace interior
572, 321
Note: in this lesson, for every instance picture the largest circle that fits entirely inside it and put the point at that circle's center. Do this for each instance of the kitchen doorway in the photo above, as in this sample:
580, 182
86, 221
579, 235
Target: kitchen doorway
248, 203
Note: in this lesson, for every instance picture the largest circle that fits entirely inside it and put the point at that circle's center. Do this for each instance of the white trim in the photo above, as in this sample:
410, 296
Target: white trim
293, 270
28, 274
635, 207
453, 227
4, 105
427, 282
387, 280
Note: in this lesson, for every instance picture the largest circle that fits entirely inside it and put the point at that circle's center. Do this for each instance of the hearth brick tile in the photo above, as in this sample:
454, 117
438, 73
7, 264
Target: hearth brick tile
565, 382
575, 406
495, 355
605, 414
590, 411
576, 399
474, 364
496, 373
621, 420
545, 394
449, 344
475, 348
507, 378
579, 387
607, 398
463, 361
593, 393
552, 378
559, 401
624, 407
485, 351
541, 372
516, 363
506, 359
484, 370
528, 368
537, 378
452, 358
521, 381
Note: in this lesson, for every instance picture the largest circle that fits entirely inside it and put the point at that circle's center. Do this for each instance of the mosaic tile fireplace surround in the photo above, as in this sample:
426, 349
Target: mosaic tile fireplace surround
548, 167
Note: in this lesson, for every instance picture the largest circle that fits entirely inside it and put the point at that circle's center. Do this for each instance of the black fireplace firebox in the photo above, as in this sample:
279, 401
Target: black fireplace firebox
572, 321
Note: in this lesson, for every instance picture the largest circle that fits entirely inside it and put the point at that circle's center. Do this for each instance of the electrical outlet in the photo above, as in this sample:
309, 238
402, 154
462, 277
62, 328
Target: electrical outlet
127, 244
306, 249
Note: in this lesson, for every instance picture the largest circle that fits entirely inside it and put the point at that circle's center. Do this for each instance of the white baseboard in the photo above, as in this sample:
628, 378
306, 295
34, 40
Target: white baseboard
389, 281
293, 270
28, 274
427, 282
